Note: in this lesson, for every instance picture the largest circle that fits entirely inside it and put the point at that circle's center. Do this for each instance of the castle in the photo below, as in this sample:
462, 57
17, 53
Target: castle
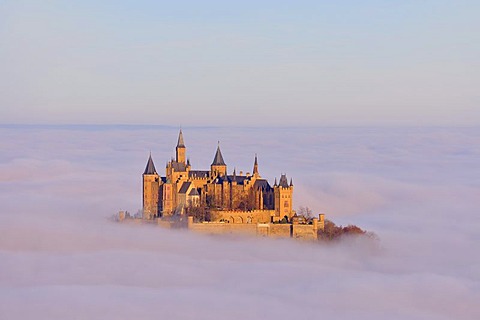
236, 198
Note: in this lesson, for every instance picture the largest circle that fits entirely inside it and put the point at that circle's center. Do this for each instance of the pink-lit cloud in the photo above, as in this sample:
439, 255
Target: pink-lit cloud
61, 257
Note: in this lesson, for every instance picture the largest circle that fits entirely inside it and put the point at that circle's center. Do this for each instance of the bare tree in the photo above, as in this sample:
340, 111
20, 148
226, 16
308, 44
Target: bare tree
305, 212
200, 213
333, 232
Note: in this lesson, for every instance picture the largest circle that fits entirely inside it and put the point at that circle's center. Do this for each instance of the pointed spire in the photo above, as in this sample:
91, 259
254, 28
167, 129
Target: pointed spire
180, 143
150, 168
291, 182
234, 177
255, 166
275, 184
218, 160
283, 181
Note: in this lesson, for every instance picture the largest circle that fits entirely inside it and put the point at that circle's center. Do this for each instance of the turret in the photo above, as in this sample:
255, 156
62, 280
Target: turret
150, 168
255, 167
218, 166
150, 190
180, 149
283, 197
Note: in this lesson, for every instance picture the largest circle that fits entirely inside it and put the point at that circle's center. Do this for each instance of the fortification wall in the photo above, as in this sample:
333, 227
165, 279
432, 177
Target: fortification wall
304, 231
273, 230
224, 228
173, 224
297, 231
280, 230
243, 217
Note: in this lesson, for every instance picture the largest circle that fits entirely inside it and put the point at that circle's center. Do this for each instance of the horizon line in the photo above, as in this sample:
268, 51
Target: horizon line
168, 126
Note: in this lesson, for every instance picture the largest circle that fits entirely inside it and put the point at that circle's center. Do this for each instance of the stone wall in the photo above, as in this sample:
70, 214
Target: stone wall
271, 230
173, 224
280, 230
304, 231
243, 217
297, 231
224, 228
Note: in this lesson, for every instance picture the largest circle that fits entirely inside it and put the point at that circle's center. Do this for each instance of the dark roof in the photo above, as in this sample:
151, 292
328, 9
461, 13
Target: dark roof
180, 143
179, 166
259, 183
238, 179
198, 173
262, 184
220, 180
218, 160
283, 181
185, 187
150, 168
193, 192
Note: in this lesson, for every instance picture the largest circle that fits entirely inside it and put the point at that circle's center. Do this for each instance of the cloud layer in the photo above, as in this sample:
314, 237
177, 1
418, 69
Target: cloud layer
418, 189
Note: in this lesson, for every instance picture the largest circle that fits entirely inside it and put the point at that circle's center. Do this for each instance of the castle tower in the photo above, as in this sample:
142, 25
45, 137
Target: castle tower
167, 201
255, 167
180, 149
150, 190
283, 192
218, 167
226, 193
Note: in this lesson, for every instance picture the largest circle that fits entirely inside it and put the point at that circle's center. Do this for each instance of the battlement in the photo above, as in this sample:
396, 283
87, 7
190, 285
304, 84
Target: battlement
273, 230
293, 230
240, 216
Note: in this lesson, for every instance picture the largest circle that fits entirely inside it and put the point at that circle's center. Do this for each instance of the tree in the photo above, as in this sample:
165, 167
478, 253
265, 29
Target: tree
333, 232
305, 212
330, 231
245, 202
199, 213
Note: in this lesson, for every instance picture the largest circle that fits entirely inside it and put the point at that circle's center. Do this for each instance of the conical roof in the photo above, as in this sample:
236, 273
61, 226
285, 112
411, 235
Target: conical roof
283, 181
180, 143
150, 168
218, 160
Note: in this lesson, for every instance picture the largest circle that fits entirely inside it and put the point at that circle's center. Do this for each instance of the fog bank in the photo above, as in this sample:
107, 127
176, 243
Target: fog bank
416, 188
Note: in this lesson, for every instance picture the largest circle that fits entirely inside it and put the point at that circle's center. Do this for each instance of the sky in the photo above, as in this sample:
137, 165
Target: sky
416, 188
256, 63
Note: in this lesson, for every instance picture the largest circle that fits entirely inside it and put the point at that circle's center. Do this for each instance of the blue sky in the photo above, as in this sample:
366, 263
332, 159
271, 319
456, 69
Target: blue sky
242, 63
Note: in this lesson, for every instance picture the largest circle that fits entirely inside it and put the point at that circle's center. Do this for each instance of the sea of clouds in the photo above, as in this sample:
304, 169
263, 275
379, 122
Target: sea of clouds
418, 189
